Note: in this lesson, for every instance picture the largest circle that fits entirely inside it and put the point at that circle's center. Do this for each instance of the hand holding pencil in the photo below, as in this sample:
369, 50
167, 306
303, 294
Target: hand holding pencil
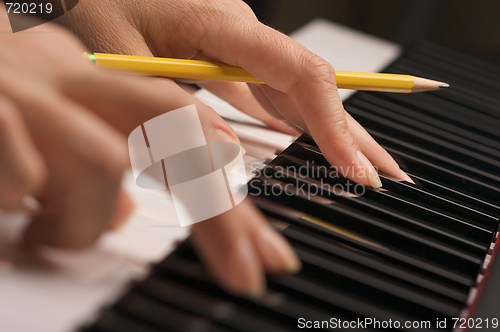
300, 95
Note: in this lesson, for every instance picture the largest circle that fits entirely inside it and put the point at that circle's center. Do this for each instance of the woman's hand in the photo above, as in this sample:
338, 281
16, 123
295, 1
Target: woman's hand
300, 87
300, 91
63, 130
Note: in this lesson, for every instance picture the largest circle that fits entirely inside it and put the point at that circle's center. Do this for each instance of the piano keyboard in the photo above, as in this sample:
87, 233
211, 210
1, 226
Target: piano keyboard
408, 253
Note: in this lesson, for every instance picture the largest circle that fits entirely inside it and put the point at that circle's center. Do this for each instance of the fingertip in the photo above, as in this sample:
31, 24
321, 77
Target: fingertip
244, 275
125, 207
405, 177
229, 255
367, 171
277, 256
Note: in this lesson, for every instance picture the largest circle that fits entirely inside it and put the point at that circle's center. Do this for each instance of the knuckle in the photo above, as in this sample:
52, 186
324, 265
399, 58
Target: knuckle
320, 69
85, 75
312, 69
25, 180
212, 120
34, 179
107, 162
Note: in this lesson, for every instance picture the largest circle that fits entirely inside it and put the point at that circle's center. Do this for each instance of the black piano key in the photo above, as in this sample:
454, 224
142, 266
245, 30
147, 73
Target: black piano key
243, 314
364, 308
404, 291
460, 60
485, 218
424, 140
164, 316
185, 298
472, 203
472, 246
409, 192
387, 106
336, 296
372, 227
443, 175
328, 238
115, 321
411, 276
481, 98
476, 80
458, 116
471, 98
364, 281
451, 172
390, 206
231, 314
473, 193
458, 166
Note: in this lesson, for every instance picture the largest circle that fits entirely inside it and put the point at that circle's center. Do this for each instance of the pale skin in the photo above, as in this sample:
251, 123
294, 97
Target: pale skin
64, 123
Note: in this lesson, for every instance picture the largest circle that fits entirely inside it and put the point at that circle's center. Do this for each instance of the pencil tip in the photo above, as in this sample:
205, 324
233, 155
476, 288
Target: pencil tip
444, 85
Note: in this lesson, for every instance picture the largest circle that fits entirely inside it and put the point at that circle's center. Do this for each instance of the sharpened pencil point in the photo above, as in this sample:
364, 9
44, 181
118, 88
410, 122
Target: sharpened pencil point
445, 85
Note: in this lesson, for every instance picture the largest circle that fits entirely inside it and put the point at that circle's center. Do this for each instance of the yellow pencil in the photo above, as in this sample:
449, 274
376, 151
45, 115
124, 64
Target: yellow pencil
204, 70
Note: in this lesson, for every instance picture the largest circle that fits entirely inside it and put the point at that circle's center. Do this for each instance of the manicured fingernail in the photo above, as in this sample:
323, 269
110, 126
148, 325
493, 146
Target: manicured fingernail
370, 172
248, 279
257, 291
279, 252
294, 265
243, 150
30, 204
403, 176
126, 207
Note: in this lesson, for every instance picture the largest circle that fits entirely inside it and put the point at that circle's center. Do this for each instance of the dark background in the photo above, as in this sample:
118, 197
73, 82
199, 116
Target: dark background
470, 26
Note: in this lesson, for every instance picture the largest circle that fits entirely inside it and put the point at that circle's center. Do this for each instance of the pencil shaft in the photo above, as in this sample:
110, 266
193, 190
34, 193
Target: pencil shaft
204, 70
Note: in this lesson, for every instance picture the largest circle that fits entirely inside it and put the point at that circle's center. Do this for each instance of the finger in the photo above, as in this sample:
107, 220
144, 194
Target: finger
124, 209
373, 151
287, 106
236, 247
239, 95
86, 159
264, 101
367, 145
288, 67
225, 246
275, 252
22, 170
126, 102
117, 99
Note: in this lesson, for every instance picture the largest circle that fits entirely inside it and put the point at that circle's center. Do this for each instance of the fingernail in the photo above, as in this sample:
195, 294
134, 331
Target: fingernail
126, 207
280, 252
403, 176
248, 278
30, 204
369, 170
243, 150
257, 291
294, 265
